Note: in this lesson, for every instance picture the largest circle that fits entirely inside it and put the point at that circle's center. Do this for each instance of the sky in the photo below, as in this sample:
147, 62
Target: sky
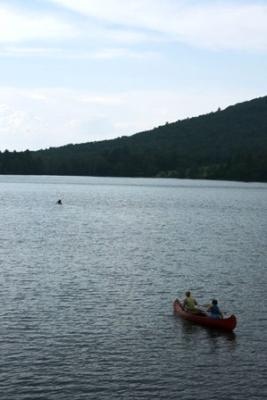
75, 71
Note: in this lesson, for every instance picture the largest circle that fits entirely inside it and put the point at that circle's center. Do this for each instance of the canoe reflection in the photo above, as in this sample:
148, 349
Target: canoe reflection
190, 328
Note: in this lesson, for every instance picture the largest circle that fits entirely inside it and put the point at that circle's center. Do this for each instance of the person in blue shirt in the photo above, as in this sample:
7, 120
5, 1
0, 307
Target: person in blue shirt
214, 311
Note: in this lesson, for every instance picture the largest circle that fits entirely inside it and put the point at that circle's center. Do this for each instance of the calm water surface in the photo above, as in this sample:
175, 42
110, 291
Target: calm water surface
86, 288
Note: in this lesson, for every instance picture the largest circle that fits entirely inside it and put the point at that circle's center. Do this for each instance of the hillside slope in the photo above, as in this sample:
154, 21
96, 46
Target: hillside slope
228, 144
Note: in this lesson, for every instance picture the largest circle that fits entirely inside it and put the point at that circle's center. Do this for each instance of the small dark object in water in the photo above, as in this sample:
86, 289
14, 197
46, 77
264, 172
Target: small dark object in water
59, 202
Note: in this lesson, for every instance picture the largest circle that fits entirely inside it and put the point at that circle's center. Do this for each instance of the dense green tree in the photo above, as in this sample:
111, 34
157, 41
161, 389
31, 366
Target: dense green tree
227, 144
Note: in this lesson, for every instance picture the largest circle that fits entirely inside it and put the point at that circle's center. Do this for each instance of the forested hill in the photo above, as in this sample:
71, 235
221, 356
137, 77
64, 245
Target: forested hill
229, 144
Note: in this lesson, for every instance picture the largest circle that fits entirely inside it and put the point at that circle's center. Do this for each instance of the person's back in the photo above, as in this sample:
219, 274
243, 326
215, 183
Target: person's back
214, 310
189, 302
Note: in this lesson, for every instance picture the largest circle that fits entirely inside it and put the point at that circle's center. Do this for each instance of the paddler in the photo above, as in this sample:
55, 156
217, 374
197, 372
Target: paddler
214, 311
190, 303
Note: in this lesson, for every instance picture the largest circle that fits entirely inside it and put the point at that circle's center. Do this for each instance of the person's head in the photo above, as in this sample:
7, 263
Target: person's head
188, 294
214, 302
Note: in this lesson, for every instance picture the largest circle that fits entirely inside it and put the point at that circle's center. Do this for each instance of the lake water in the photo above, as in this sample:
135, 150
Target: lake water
86, 288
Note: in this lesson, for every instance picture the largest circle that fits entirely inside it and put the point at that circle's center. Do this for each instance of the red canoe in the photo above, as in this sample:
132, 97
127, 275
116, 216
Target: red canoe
226, 324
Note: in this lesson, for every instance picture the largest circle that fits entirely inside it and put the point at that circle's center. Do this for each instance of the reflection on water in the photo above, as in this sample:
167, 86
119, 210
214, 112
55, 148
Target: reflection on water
213, 334
190, 328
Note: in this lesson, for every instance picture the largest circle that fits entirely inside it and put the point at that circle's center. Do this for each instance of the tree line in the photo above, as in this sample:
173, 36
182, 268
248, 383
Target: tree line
229, 144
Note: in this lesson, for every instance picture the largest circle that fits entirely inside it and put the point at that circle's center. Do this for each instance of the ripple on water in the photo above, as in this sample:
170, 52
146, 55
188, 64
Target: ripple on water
86, 289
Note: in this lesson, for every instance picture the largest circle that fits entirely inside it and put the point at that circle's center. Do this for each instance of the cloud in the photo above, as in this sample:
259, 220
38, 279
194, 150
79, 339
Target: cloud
24, 25
215, 25
40, 118
19, 51
71, 53
209, 24
17, 26
112, 53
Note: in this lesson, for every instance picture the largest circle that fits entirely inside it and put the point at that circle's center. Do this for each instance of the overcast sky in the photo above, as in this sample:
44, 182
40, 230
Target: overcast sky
74, 71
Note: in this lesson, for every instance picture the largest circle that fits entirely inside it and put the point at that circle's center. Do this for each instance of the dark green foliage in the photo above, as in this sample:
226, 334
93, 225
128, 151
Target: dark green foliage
229, 144
20, 163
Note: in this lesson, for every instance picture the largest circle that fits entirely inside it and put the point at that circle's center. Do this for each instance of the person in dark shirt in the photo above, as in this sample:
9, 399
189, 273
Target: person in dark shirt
214, 311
